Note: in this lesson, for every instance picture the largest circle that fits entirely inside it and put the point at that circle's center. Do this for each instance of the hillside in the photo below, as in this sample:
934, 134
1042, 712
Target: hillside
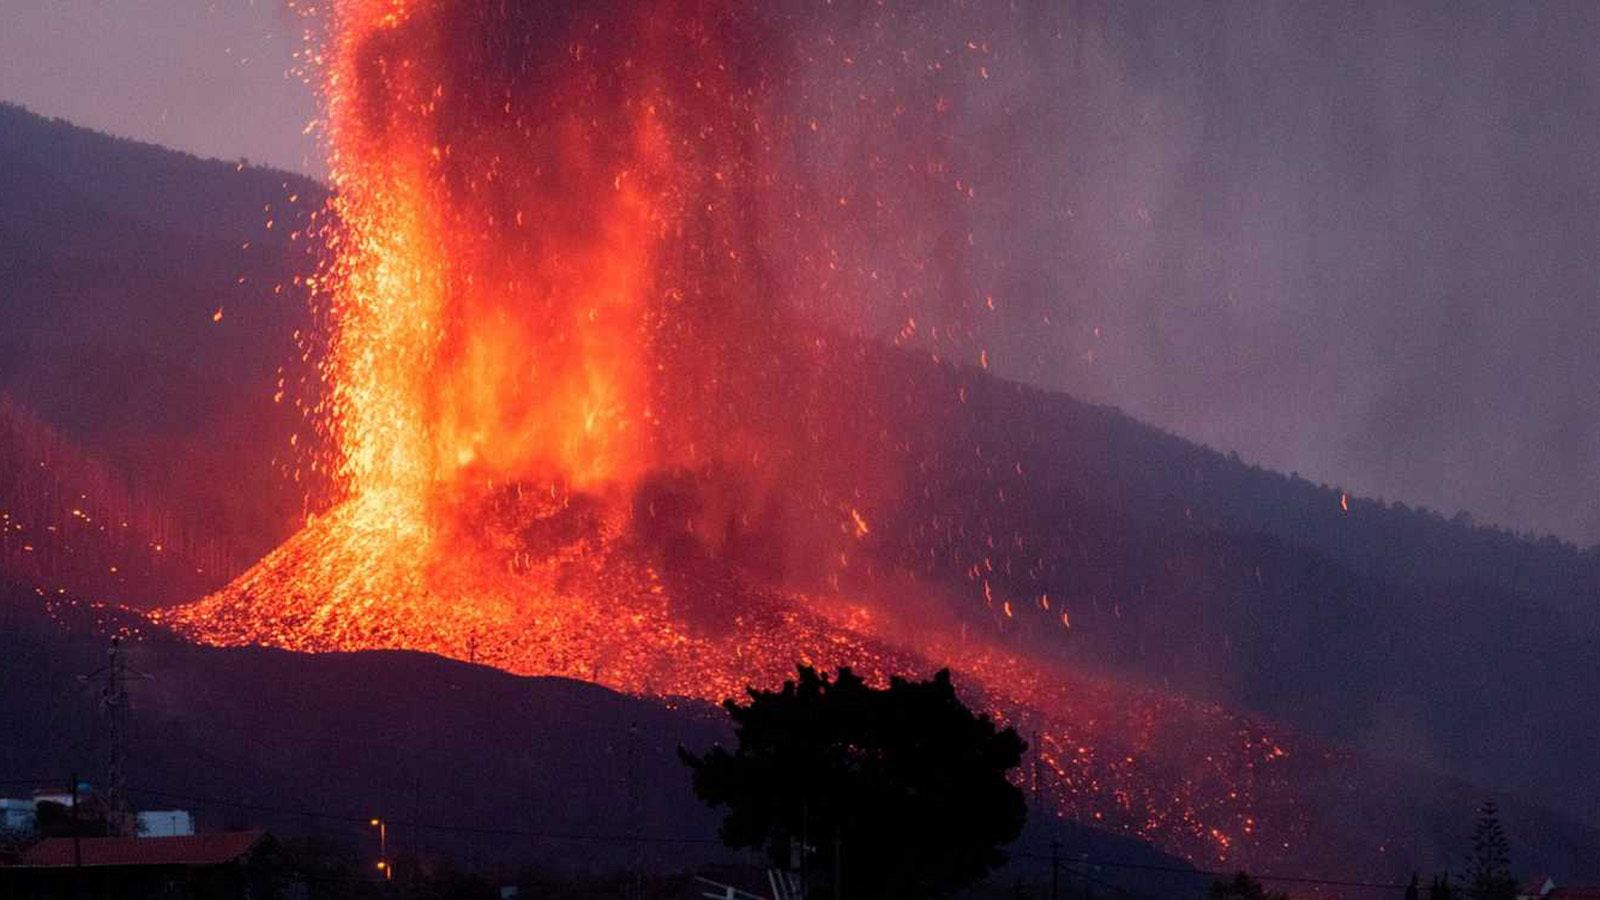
469, 761
1440, 642
1460, 649
115, 258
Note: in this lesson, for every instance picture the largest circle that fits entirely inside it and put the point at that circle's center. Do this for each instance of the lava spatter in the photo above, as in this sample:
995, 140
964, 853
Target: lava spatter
576, 428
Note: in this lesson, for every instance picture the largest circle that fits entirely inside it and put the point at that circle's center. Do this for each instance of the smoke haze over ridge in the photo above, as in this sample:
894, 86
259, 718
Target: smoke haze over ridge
1348, 240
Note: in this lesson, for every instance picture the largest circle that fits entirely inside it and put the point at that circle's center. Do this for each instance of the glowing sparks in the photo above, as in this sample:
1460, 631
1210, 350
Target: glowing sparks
561, 399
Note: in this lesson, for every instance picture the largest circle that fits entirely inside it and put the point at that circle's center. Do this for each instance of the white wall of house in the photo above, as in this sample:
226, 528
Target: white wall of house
17, 815
165, 823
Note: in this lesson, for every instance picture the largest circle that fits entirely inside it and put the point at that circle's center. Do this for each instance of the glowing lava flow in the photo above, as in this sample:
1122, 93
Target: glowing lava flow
603, 608
575, 434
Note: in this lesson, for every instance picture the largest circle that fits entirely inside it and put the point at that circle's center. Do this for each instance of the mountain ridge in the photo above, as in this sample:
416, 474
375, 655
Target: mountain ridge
1182, 567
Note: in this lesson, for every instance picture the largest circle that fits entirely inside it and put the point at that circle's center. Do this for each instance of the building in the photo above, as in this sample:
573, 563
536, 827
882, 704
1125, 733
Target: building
234, 864
160, 823
1537, 888
56, 795
1547, 889
17, 815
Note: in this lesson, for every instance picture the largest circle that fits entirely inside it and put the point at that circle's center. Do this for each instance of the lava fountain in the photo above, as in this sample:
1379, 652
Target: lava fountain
531, 237
579, 428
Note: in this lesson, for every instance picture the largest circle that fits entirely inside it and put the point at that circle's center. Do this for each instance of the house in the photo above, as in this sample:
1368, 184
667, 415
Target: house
223, 865
22, 815
1536, 888
1545, 888
160, 823
17, 815
58, 796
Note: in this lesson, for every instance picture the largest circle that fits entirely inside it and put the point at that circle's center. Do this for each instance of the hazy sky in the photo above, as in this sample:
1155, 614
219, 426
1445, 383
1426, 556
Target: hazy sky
1354, 239
212, 78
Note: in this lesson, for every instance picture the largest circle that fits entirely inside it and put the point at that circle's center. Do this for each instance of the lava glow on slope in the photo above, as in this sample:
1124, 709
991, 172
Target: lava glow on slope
577, 430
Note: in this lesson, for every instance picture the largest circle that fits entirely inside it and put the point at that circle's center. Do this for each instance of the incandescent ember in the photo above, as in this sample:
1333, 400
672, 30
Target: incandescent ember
577, 429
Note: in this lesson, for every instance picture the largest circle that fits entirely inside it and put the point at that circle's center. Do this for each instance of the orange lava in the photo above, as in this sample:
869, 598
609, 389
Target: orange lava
566, 402
583, 595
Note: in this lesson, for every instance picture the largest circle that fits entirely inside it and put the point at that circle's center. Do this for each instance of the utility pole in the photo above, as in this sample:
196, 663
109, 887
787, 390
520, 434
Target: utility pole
1055, 870
114, 706
115, 700
634, 814
1037, 747
805, 849
838, 862
77, 841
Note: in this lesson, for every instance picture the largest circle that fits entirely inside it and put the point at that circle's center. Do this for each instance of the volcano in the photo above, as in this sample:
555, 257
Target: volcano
579, 431
592, 405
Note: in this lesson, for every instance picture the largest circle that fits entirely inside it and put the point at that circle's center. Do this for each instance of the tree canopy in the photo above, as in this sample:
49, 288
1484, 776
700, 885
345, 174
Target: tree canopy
1489, 867
1242, 887
871, 792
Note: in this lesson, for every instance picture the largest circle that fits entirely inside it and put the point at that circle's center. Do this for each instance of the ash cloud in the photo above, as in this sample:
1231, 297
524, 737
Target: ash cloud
1352, 240
1349, 240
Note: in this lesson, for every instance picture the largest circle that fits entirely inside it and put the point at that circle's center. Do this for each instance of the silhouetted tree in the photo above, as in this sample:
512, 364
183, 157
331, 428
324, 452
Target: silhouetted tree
329, 869
87, 819
1242, 887
897, 792
1439, 888
1414, 889
1489, 867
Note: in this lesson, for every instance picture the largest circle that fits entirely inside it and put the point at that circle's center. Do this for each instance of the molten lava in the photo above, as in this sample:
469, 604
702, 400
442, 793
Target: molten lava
578, 430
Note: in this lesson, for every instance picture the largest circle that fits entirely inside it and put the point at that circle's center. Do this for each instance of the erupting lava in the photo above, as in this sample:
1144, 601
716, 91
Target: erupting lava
577, 429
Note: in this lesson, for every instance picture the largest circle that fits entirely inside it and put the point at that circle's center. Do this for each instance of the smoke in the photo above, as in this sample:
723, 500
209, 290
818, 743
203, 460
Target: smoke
1349, 240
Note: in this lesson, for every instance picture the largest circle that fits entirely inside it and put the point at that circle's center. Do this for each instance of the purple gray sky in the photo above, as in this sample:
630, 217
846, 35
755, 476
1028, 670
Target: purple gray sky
1355, 240
213, 78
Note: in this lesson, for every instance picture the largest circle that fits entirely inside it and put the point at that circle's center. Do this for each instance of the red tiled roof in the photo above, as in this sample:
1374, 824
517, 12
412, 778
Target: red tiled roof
188, 850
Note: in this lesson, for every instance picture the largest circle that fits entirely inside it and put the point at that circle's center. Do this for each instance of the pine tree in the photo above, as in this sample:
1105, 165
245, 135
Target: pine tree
1414, 889
1439, 889
1242, 887
1489, 868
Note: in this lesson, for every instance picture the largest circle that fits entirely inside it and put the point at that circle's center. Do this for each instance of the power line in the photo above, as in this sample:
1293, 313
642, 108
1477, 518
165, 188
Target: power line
1219, 873
1087, 876
431, 826
639, 837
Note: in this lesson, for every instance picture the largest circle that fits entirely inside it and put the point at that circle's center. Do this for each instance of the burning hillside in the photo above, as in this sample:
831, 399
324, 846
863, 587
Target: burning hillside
546, 584
580, 430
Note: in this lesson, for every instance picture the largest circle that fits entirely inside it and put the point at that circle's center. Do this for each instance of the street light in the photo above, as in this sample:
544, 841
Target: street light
383, 848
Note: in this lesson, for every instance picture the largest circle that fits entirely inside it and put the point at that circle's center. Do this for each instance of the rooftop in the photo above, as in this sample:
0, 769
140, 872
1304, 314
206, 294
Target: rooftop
187, 850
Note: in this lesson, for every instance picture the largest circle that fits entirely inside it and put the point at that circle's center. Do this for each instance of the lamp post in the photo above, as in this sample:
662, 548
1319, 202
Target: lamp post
383, 848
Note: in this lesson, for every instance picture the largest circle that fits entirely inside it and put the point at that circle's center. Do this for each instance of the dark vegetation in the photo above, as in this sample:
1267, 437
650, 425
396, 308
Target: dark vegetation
1243, 887
59, 820
1489, 867
898, 791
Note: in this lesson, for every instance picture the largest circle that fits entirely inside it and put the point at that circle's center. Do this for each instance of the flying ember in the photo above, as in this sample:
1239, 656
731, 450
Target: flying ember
586, 404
